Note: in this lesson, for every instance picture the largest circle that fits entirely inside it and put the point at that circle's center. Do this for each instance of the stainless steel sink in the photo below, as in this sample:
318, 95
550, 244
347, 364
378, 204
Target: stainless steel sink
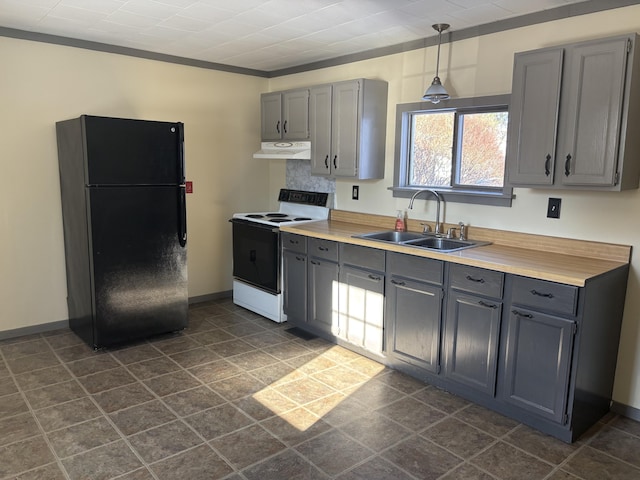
444, 244
418, 240
392, 236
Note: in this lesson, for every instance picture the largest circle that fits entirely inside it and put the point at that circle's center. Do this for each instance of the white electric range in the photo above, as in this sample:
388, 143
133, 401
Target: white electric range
257, 262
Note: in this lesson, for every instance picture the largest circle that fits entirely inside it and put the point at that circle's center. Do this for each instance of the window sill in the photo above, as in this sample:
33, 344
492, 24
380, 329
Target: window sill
496, 199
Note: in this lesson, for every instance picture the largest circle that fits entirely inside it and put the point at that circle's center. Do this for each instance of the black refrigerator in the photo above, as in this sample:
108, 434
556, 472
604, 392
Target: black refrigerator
125, 232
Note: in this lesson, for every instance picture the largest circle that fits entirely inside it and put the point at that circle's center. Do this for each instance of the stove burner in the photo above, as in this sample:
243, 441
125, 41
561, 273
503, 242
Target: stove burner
300, 219
280, 220
254, 215
277, 215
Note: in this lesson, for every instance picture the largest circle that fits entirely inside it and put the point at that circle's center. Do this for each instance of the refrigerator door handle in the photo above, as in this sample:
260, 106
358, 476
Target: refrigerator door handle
182, 216
181, 173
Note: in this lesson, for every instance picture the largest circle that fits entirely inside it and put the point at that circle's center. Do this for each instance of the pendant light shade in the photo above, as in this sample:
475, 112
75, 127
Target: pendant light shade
436, 91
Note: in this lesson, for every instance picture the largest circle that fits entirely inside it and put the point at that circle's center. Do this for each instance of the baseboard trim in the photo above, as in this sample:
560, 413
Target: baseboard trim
626, 411
48, 327
210, 297
33, 329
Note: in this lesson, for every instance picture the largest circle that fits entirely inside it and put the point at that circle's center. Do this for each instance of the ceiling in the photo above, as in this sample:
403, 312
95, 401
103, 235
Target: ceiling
256, 34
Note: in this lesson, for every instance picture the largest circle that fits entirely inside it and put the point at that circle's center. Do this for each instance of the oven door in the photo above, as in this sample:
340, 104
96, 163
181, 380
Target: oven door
256, 258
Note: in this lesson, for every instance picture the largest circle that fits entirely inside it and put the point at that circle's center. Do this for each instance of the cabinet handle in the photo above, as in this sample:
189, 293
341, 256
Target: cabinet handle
323, 249
335, 163
395, 282
488, 305
477, 280
326, 161
313, 262
567, 166
374, 277
284, 126
547, 165
540, 294
300, 259
295, 242
520, 314
278, 126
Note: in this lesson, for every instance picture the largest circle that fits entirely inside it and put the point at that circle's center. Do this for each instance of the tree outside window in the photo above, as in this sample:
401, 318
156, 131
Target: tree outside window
458, 149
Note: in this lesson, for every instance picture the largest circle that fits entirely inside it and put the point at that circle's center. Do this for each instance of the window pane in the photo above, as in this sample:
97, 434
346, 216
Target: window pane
483, 148
431, 149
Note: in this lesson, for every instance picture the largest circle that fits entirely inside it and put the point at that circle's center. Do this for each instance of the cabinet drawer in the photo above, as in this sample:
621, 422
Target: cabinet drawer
297, 243
325, 249
540, 294
418, 268
476, 280
362, 257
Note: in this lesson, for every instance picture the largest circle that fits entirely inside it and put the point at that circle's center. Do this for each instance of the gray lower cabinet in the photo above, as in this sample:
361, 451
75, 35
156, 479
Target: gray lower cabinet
322, 278
294, 277
472, 327
537, 362
414, 310
361, 297
541, 352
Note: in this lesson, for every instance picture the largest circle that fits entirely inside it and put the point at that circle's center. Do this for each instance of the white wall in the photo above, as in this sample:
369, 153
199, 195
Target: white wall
41, 84
483, 66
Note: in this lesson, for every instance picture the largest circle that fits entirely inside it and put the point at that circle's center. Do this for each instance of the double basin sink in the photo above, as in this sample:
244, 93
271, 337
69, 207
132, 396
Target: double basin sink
426, 241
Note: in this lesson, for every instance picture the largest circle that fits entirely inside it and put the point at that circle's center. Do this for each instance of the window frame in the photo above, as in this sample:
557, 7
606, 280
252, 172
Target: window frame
456, 193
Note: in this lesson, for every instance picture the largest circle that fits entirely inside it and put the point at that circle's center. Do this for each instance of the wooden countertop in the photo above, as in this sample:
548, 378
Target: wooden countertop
585, 260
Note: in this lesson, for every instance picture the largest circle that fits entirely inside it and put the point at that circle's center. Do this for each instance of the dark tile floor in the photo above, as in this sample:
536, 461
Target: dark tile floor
237, 397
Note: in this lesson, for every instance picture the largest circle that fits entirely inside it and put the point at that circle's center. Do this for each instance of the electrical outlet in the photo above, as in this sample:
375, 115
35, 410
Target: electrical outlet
355, 192
553, 209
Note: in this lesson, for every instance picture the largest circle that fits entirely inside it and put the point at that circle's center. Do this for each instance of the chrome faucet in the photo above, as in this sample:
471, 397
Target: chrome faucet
438, 198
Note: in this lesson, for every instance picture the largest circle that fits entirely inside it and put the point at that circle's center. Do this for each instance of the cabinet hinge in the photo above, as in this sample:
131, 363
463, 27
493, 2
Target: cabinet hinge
574, 329
616, 179
438, 369
565, 419
629, 45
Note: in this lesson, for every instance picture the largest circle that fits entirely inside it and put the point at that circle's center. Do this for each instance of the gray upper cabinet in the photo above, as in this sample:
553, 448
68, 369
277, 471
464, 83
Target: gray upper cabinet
347, 122
571, 107
285, 115
533, 117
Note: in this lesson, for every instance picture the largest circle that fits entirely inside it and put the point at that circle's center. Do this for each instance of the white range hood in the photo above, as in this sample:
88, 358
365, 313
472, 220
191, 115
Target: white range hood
284, 150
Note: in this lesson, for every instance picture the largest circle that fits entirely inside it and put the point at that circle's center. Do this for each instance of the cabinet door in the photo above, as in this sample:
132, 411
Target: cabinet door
295, 115
323, 295
361, 307
533, 117
320, 129
294, 286
537, 362
271, 116
413, 318
471, 341
591, 112
344, 129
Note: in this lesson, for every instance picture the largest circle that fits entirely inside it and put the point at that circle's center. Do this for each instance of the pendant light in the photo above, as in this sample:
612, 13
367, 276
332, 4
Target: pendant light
436, 91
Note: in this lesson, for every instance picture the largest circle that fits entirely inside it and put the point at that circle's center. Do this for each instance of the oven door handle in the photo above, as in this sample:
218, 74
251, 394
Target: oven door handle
243, 221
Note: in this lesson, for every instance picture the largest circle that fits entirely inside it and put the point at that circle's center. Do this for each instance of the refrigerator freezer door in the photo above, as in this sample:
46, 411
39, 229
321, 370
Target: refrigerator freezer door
133, 152
139, 264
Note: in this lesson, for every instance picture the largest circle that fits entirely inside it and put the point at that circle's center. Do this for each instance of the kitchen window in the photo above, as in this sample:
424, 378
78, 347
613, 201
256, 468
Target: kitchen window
457, 147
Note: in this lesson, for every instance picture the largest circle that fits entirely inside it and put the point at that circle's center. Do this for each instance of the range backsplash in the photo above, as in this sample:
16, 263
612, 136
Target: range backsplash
298, 177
